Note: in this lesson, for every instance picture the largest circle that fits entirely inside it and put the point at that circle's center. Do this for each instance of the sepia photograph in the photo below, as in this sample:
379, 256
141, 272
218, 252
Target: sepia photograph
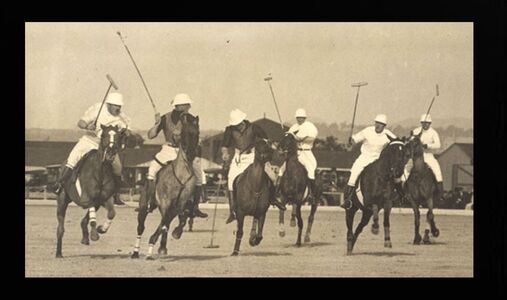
249, 149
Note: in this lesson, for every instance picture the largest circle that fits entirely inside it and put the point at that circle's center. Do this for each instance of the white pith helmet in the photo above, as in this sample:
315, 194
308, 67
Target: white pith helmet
181, 99
115, 99
300, 113
425, 118
236, 116
381, 119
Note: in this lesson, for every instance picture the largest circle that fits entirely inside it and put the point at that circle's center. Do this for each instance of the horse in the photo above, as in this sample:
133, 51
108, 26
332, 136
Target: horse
294, 189
174, 186
421, 188
251, 195
377, 185
96, 180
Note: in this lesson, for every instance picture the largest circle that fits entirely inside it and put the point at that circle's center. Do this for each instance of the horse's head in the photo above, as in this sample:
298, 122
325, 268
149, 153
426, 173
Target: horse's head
263, 151
112, 140
288, 144
414, 145
189, 137
395, 155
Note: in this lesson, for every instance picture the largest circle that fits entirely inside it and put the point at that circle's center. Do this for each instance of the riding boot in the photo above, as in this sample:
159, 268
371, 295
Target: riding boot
150, 195
273, 200
197, 212
116, 195
64, 175
232, 209
347, 199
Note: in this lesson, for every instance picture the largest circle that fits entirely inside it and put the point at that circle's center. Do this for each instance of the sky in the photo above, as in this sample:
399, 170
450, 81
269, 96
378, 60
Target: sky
222, 66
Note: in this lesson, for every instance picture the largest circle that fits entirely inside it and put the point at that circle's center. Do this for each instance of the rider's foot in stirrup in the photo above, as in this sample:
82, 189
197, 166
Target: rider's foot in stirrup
57, 188
347, 204
200, 214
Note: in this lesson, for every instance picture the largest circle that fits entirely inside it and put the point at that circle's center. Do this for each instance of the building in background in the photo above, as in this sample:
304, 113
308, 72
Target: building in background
457, 166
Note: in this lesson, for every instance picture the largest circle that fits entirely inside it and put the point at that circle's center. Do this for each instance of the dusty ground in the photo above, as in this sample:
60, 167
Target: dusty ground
451, 255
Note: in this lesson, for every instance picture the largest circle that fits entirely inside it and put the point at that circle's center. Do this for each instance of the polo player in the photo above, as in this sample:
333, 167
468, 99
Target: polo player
110, 116
431, 142
242, 135
374, 139
305, 133
171, 126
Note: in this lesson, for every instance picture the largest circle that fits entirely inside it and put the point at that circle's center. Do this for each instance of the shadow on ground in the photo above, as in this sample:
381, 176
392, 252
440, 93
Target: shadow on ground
265, 253
388, 254
308, 245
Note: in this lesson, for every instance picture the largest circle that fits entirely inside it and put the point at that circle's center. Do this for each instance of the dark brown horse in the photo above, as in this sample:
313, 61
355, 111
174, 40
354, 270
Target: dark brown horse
294, 189
96, 180
377, 185
175, 185
252, 195
421, 188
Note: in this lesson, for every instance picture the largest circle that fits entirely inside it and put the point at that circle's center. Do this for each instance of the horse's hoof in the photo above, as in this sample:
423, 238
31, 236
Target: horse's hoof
258, 240
374, 229
298, 244
307, 239
435, 232
162, 251
177, 233
426, 239
149, 257
94, 236
135, 255
101, 230
59, 255
281, 233
251, 241
85, 241
292, 222
235, 253
388, 244
417, 239
349, 252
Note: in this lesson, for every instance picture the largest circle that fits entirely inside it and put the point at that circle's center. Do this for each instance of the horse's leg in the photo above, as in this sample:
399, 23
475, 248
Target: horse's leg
310, 221
260, 227
365, 218
293, 216
141, 218
160, 229
178, 230
417, 216
162, 250
239, 234
84, 228
387, 232
349, 219
94, 234
111, 213
300, 224
253, 232
281, 228
375, 226
431, 219
61, 209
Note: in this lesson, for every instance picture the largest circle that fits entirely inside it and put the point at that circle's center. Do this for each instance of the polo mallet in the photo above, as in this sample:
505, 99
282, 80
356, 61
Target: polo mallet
268, 79
138, 72
432, 100
211, 246
358, 85
111, 84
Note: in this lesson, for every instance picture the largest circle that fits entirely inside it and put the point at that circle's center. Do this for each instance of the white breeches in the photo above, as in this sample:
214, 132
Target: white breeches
432, 163
165, 155
85, 145
361, 162
307, 159
239, 164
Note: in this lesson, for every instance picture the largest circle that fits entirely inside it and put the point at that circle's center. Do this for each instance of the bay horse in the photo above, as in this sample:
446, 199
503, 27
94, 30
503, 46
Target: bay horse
175, 184
294, 188
96, 180
377, 186
421, 188
252, 194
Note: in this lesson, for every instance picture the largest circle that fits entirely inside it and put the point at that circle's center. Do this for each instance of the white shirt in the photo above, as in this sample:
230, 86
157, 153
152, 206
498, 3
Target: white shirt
105, 118
373, 142
308, 130
429, 137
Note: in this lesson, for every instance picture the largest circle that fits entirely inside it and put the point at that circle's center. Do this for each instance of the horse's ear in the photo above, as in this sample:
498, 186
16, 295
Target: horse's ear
390, 138
420, 133
103, 127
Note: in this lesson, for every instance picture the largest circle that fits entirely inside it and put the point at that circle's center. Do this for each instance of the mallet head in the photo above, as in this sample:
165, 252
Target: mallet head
359, 84
111, 81
268, 78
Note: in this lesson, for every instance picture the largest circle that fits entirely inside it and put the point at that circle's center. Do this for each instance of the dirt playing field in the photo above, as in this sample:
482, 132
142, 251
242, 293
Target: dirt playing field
451, 255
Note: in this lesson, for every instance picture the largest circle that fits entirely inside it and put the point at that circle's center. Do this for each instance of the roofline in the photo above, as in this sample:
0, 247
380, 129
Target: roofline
457, 144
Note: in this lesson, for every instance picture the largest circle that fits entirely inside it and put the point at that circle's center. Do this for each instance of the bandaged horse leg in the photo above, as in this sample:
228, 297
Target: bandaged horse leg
162, 228
94, 235
141, 218
281, 225
111, 213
